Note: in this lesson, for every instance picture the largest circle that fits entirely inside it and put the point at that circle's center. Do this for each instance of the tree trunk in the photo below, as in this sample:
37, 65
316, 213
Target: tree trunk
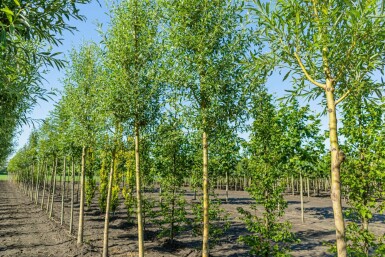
107, 217
37, 183
292, 185
78, 187
139, 193
50, 187
365, 226
82, 189
72, 194
227, 187
31, 187
172, 217
308, 187
53, 188
44, 183
205, 243
63, 191
337, 158
301, 192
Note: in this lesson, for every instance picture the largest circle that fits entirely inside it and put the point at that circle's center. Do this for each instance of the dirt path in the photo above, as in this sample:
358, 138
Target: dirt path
25, 230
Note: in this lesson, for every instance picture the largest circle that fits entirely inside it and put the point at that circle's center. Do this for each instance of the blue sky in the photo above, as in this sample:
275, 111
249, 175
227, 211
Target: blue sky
87, 31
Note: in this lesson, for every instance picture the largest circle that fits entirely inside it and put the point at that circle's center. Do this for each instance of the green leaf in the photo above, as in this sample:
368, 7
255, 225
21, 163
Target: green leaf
286, 75
8, 13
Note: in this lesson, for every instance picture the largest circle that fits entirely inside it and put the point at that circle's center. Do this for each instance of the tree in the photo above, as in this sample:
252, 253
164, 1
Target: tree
132, 53
207, 43
268, 159
172, 163
81, 85
339, 42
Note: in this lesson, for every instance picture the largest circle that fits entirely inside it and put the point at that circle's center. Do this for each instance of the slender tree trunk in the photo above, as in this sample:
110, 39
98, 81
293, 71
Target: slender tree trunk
82, 189
31, 186
205, 243
78, 187
107, 216
301, 190
50, 187
292, 185
44, 183
314, 187
72, 194
37, 183
337, 158
227, 187
53, 188
308, 187
139, 193
63, 191
365, 226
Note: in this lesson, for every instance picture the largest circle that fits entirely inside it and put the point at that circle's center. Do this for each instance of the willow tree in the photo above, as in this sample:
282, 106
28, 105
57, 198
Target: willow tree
81, 84
207, 42
132, 53
334, 45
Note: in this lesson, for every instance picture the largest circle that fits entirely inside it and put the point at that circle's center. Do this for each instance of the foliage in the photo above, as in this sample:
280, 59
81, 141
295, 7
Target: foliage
218, 217
26, 27
103, 182
268, 156
363, 127
90, 180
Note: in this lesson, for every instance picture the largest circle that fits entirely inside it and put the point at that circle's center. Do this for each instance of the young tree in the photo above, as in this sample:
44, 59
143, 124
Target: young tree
132, 54
172, 162
337, 42
81, 85
207, 42
268, 159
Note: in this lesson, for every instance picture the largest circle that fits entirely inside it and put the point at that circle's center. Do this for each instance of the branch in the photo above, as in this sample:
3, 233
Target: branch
342, 97
323, 86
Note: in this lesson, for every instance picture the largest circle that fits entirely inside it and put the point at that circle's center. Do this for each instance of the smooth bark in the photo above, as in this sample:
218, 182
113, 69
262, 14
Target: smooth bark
337, 158
72, 194
205, 243
82, 192
63, 191
139, 193
107, 216
301, 191
53, 188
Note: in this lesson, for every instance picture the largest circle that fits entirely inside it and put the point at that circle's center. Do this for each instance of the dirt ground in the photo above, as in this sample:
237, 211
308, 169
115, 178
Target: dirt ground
25, 230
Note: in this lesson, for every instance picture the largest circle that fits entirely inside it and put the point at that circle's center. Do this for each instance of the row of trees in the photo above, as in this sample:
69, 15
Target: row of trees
170, 71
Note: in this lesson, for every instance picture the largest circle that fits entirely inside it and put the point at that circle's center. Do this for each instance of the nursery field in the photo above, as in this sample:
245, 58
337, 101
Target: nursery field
26, 230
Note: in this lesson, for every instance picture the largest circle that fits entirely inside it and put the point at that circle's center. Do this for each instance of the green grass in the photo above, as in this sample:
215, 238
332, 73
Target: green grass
3, 177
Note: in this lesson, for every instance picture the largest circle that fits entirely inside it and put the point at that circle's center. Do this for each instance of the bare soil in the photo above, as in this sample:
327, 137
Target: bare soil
26, 230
